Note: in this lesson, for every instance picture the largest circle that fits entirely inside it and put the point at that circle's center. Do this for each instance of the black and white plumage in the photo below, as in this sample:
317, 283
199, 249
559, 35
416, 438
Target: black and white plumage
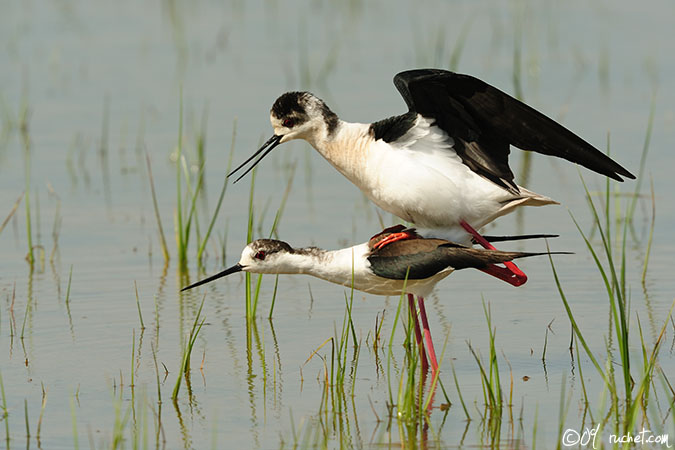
413, 266
416, 262
443, 162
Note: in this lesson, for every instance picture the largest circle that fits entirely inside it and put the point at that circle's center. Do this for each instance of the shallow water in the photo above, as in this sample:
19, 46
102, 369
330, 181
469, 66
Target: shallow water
593, 66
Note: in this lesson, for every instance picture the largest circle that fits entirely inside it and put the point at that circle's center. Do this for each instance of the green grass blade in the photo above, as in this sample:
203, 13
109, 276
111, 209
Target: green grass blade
162, 239
205, 239
577, 331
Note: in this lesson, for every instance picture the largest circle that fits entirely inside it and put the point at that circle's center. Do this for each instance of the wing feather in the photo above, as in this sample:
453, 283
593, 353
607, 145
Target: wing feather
485, 121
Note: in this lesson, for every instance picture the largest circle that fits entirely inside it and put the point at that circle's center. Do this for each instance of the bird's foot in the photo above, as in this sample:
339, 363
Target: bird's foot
510, 273
389, 230
396, 233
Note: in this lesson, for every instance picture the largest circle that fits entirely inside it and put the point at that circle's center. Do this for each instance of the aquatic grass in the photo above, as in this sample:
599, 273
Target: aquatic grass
459, 392
189, 188
642, 394
138, 306
390, 351
184, 223
563, 408
648, 250
25, 138
70, 279
120, 421
643, 159
180, 235
250, 311
160, 229
436, 381
192, 195
11, 212
615, 286
25, 415
492, 389
25, 319
73, 416
274, 297
133, 349
187, 350
581, 378
42, 411
159, 388
252, 296
333, 393
573, 322
56, 227
543, 353
204, 240
632, 384
5, 412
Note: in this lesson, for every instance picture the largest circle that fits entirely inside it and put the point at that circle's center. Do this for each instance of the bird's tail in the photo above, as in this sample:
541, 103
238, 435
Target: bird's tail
467, 257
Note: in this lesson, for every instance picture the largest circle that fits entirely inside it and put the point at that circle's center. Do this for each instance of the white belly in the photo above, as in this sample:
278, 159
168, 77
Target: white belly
350, 267
421, 179
430, 186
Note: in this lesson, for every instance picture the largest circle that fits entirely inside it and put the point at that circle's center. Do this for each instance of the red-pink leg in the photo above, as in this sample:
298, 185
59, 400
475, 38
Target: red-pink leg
476, 235
418, 333
427, 337
511, 273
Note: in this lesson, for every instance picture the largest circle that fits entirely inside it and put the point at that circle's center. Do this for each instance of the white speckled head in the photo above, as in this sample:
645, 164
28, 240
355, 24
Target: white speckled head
267, 256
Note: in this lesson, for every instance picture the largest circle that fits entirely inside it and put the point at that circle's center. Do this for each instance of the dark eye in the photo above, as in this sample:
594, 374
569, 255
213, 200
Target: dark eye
288, 123
260, 255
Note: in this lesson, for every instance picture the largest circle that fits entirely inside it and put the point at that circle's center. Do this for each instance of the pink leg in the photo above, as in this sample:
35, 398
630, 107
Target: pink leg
476, 235
427, 336
511, 273
418, 333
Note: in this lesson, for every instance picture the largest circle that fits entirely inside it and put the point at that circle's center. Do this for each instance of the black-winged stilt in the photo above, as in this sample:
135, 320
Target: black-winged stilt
443, 165
412, 266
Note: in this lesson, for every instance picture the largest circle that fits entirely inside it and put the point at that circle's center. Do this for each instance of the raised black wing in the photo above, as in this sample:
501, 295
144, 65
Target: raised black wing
484, 121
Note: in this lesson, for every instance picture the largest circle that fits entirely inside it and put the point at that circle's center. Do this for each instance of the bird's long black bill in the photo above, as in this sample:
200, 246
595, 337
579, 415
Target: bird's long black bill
234, 269
269, 145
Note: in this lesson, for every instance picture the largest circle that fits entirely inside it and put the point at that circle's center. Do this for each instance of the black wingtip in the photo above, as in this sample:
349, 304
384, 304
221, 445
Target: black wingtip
521, 237
531, 254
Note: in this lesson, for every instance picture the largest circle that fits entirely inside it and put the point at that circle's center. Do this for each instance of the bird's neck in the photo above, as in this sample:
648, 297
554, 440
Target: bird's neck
336, 266
346, 148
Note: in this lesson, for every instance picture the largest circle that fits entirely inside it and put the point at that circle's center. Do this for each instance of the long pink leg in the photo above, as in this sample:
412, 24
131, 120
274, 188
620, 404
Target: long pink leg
511, 273
427, 336
418, 333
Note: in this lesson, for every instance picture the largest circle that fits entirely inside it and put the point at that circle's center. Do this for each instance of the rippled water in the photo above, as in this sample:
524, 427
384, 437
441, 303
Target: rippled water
102, 85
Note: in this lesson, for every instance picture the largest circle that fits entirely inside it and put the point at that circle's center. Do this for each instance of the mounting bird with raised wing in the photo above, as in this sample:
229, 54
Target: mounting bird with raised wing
411, 266
443, 165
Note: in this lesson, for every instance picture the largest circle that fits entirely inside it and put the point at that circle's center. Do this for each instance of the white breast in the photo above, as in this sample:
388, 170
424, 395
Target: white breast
350, 267
421, 179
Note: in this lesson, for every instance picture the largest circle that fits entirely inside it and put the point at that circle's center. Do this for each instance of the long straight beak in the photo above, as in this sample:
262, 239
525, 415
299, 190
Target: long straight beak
234, 269
269, 145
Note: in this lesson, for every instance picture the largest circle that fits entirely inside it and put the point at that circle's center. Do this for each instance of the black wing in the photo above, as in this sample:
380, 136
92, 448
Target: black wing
424, 258
484, 121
